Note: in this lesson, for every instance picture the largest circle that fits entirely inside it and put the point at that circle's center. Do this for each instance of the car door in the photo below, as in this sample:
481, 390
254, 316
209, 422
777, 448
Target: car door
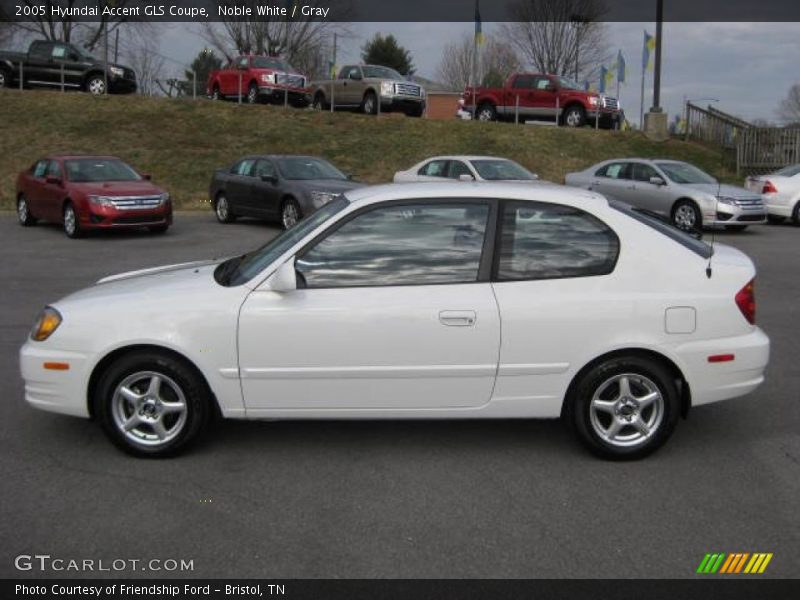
390, 314
239, 184
522, 88
559, 299
544, 95
66, 64
650, 196
457, 168
53, 191
434, 170
34, 189
265, 189
612, 180
352, 87
38, 69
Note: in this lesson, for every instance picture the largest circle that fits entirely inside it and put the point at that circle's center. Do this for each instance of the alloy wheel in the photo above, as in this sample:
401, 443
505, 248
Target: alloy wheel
149, 408
252, 95
626, 410
97, 86
573, 118
289, 215
70, 221
2, 79
22, 210
685, 217
485, 114
369, 104
222, 208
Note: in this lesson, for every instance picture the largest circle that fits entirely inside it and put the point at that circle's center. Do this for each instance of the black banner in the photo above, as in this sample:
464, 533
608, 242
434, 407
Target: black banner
397, 11
715, 588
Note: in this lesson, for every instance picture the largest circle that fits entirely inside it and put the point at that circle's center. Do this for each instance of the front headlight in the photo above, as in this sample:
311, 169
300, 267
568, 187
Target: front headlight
46, 323
387, 88
726, 200
117, 71
594, 100
268, 77
319, 199
164, 197
101, 201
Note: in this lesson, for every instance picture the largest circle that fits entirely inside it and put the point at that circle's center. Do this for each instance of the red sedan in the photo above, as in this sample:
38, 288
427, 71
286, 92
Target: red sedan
90, 192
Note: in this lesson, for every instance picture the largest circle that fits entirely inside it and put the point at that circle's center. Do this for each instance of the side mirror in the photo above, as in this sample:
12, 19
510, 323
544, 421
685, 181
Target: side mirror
550, 87
466, 177
284, 279
269, 179
147, 176
657, 181
53, 180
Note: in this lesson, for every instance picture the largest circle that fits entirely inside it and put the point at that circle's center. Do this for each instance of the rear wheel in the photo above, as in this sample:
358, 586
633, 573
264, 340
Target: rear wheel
624, 408
796, 214
26, 219
222, 210
486, 112
686, 216
290, 213
72, 225
151, 404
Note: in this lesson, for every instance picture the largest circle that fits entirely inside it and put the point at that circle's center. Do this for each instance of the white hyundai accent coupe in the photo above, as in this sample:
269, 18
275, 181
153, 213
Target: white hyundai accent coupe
416, 301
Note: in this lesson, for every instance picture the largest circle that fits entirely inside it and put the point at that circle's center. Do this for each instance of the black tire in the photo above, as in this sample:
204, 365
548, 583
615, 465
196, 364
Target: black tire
486, 112
686, 216
796, 214
369, 105
5, 79
775, 219
71, 222
24, 216
735, 227
291, 213
158, 229
96, 85
602, 386
222, 209
180, 384
215, 95
574, 116
319, 102
252, 94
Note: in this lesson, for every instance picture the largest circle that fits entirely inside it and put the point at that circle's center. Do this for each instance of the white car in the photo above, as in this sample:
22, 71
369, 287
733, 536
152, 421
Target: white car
466, 168
780, 192
419, 301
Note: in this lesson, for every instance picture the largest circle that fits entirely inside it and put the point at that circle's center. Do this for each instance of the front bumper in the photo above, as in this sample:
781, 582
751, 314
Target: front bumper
59, 391
279, 94
712, 382
731, 214
604, 116
101, 217
402, 103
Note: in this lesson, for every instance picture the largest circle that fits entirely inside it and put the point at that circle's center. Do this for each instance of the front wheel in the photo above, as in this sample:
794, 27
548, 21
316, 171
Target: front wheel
796, 214
151, 404
222, 210
72, 225
26, 219
252, 94
370, 104
290, 213
574, 116
686, 216
96, 85
624, 408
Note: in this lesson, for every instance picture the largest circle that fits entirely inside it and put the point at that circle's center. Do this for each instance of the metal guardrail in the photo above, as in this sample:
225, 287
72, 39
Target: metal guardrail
767, 149
713, 126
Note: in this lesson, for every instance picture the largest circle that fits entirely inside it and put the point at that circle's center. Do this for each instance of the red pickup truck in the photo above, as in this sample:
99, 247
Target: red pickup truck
543, 96
263, 78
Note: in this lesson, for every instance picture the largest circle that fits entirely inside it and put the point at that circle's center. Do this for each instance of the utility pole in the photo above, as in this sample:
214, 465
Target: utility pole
116, 46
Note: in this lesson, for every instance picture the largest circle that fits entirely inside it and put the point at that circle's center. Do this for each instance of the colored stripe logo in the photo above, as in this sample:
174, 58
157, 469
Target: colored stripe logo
735, 563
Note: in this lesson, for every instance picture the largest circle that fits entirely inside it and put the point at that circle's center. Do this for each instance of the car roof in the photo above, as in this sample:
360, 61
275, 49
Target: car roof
77, 156
555, 194
466, 157
273, 156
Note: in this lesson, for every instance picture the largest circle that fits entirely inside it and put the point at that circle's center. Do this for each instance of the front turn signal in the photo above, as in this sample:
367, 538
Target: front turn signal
46, 323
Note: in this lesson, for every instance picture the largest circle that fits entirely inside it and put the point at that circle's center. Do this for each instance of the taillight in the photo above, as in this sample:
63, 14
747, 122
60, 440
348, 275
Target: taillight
769, 188
746, 301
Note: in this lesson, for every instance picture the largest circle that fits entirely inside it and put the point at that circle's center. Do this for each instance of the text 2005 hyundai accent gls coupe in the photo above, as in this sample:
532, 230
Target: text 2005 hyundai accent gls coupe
416, 301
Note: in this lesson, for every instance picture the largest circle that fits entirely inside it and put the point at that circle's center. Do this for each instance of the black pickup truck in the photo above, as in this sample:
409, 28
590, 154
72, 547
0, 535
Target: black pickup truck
48, 64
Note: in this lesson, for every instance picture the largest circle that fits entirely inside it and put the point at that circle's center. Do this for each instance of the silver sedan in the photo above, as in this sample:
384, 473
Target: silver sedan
678, 190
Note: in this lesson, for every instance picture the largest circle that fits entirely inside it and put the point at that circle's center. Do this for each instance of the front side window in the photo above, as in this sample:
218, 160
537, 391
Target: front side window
524, 82
400, 244
40, 168
243, 167
435, 168
551, 241
457, 169
244, 62
643, 172
264, 168
502, 170
100, 169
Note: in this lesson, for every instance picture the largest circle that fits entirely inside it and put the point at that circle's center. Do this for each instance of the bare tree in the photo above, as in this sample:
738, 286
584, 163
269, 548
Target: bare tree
303, 43
555, 35
789, 109
144, 57
495, 61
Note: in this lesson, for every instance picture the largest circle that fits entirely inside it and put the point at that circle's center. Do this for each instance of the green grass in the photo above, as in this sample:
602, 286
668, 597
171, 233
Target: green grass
181, 142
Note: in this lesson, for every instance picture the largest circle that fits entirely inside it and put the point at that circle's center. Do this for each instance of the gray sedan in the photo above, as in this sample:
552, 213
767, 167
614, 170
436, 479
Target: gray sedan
678, 190
283, 188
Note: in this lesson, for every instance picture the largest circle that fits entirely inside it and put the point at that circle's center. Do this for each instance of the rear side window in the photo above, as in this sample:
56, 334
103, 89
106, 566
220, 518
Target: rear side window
664, 227
435, 168
551, 241
243, 167
614, 171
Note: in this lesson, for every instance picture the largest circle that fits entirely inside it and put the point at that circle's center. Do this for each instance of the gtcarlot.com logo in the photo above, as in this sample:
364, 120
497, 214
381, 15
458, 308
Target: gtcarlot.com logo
735, 563
45, 562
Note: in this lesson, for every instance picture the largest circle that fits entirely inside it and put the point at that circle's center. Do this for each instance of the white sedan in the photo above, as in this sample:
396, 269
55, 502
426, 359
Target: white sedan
780, 192
419, 301
465, 168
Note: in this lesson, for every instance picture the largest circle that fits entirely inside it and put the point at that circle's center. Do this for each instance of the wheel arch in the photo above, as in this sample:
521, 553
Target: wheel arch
684, 390
685, 199
117, 353
90, 74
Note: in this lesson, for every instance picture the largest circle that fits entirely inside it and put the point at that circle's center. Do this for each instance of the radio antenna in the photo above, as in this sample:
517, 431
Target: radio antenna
713, 228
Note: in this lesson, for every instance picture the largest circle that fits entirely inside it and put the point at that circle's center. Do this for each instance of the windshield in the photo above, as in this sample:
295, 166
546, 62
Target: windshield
270, 62
240, 269
100, 169
664, 226
301, 168
569, 84
681, 172
381, 73
499, 170
789, 171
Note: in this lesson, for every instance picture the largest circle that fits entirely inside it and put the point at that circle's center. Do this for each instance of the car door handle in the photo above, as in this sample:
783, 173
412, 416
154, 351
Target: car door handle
458, 318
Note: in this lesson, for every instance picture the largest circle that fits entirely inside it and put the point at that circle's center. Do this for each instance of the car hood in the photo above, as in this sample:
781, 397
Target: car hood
335, 186
176, 268
724, 190
117, 188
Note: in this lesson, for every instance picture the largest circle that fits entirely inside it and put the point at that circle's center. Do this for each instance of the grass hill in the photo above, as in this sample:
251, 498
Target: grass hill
181, 142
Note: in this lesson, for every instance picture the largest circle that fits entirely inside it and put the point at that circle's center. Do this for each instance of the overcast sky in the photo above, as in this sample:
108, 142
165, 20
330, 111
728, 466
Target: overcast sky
748, 67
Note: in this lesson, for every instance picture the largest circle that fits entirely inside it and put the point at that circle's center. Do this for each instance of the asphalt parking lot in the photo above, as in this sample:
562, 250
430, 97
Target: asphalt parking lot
512, 499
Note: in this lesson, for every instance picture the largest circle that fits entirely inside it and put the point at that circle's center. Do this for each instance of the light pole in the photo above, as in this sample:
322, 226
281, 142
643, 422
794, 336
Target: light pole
578, 23
655, 122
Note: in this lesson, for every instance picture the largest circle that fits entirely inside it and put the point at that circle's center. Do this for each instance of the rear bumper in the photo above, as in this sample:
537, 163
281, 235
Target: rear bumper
712, 382
59, 391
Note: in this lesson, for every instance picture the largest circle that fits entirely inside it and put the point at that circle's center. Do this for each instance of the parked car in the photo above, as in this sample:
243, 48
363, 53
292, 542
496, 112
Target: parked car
541, 96
283, 188
678, 190
90, 192
46, 62
262, 78
471, 168
370, 88
780, 192
416, 301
